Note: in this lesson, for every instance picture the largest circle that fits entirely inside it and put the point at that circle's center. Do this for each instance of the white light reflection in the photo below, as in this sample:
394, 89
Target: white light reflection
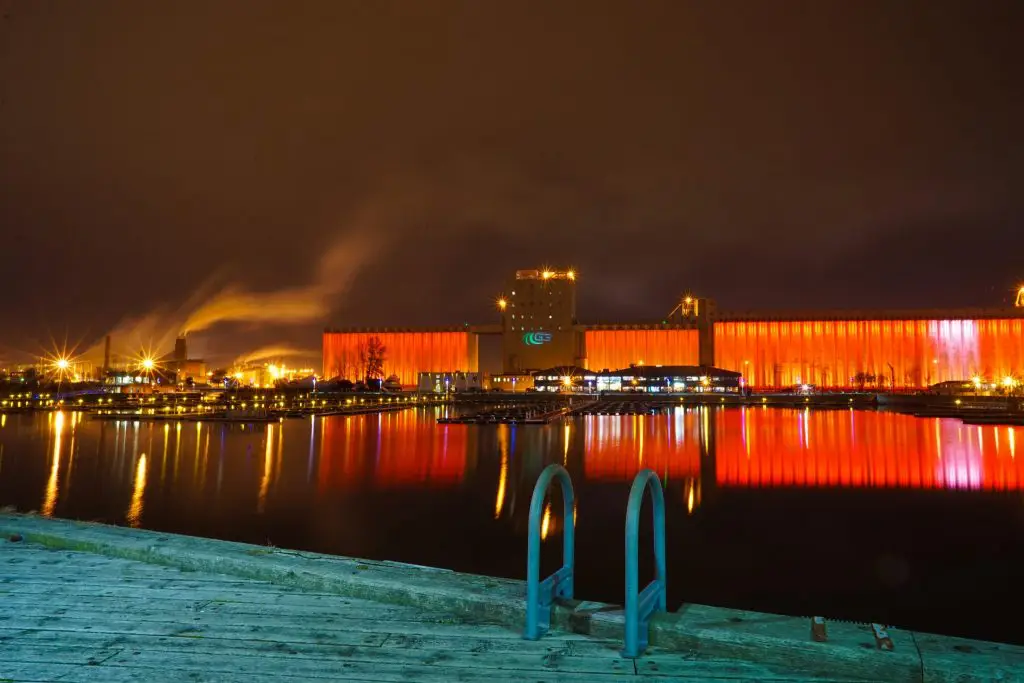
50, 499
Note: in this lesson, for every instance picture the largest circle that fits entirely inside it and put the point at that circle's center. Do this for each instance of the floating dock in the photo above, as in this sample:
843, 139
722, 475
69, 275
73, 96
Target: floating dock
87, 602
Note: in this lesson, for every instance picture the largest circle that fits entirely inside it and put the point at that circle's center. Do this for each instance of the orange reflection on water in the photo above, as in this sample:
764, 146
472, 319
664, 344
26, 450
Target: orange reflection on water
391, 449
765, 447
619, 447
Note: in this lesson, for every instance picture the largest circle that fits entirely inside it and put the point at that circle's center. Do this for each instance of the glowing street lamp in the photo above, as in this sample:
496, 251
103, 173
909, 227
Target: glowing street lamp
147, 364
502, 303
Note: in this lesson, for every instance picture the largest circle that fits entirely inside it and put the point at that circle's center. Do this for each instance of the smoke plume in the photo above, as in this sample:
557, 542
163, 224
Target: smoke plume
277, 351
338, 267
211, 304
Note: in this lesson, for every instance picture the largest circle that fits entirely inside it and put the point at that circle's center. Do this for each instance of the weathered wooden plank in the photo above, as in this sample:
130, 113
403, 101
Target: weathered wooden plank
270, 660
496, 598
959, 660
355, 673
207, 601
284, 630
466, 640
107, 577
111, 629
64, 673
297, 632
213, 643
169, 576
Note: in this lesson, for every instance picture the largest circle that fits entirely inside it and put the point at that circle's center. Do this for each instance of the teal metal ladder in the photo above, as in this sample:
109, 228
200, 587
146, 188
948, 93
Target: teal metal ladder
540, 595
640, 605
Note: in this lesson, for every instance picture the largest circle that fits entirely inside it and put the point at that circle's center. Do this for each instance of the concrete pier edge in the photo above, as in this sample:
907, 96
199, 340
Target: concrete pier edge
850, 652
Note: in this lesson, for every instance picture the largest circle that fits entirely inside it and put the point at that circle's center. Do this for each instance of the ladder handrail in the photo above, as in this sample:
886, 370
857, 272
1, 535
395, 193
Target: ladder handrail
641, 605
540, 595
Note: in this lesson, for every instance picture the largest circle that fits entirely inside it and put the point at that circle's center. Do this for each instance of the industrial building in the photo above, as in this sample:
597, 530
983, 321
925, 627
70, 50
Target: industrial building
539, 329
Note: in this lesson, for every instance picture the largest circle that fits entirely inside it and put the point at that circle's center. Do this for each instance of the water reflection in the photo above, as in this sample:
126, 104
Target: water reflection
694, 450
134, 515
616, 448
503, 445
57, 432
406, 449
772, 447
268, 468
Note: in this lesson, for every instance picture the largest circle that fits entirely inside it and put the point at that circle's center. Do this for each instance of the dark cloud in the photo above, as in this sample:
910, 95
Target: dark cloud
785, 154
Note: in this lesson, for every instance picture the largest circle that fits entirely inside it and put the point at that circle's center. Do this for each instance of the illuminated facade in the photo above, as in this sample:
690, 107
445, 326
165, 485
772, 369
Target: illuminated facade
899, 352
609, 347
406, 352
829, 349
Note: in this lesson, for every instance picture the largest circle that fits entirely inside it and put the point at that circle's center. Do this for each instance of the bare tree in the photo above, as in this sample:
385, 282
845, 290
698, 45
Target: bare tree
375, 355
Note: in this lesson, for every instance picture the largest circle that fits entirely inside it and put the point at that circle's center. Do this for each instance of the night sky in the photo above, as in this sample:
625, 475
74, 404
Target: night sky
368, 163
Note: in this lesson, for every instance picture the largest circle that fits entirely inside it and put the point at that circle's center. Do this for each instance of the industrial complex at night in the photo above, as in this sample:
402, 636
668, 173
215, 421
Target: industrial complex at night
540, 331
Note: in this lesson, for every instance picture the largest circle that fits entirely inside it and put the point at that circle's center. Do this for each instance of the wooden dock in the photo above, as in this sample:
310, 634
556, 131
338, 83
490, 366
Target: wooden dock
85, 602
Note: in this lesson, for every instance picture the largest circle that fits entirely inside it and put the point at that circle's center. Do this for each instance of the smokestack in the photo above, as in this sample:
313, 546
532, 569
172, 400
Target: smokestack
180, 349
106, 358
